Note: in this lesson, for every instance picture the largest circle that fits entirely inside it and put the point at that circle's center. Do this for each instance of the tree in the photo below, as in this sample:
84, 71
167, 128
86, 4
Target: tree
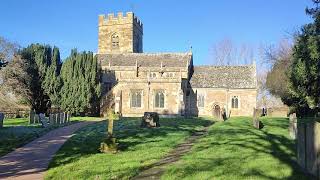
279, 57
52, 82
81, 88
27, 74
304, 74
7, 51
225, 52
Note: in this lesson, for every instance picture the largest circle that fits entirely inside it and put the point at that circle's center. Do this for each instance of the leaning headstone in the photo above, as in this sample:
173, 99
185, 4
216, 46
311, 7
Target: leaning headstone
1, 119
293, 126
43, 120
150, 119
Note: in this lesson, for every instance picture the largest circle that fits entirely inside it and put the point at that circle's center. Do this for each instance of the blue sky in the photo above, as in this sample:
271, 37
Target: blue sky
169, 25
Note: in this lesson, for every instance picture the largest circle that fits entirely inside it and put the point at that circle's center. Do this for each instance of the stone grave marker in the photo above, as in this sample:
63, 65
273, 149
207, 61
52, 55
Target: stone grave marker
1, 119
43, 120
150, 120
32, 117
293, 126
61, 118
57, 118
36, 118
51, 119
256, 122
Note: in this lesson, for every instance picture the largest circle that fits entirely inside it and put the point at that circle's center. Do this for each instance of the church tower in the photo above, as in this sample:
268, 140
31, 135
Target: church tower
120, 34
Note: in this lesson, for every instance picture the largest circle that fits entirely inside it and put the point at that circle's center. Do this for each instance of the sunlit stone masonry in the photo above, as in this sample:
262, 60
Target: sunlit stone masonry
167, 83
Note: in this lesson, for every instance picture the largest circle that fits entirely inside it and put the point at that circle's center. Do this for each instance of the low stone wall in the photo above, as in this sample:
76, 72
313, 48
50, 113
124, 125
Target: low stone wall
278, 112
308, 146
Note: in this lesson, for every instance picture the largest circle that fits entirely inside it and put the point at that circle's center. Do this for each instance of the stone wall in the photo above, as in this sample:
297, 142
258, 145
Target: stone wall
171, 100
278, 112
222, 98
128, 28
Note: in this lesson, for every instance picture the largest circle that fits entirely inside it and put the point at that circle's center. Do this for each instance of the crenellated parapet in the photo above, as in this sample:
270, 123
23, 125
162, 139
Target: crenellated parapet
119, 18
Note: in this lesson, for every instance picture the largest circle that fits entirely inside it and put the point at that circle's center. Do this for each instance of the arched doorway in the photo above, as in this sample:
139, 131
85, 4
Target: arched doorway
216, 111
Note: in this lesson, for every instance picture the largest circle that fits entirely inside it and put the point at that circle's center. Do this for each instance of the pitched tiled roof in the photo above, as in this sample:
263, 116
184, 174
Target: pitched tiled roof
224, 77
146, 59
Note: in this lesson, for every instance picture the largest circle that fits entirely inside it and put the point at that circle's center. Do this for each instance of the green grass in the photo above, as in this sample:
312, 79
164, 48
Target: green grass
17, 132
79, 157
235, 150
16, 122
78, 118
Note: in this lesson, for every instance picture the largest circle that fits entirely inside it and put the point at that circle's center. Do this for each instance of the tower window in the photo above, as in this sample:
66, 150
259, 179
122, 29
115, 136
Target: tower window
115, 41
235, 102
159, 99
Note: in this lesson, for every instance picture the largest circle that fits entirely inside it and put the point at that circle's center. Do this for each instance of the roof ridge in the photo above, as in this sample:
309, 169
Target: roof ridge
218, 66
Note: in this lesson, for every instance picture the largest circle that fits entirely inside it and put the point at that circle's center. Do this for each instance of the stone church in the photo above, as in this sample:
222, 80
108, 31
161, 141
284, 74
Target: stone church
167, 83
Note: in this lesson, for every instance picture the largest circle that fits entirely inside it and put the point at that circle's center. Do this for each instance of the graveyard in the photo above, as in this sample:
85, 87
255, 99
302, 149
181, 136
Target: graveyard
170, 90
234, 146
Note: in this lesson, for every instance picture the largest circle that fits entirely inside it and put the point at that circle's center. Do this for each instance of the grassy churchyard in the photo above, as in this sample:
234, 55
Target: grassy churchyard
17, 132
231, 150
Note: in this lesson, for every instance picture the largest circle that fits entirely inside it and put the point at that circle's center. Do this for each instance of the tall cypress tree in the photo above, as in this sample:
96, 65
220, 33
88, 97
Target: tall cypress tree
81, 83
52, 83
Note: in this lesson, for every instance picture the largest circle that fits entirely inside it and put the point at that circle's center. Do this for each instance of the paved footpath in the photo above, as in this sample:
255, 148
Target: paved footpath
156, 170
32, 160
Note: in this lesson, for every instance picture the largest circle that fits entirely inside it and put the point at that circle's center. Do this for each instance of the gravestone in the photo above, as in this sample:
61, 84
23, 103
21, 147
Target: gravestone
256, 122
1, 119
293, 126
31, 117
43, 120
51, 119
61, 118
57, 117
150, 120
36, 118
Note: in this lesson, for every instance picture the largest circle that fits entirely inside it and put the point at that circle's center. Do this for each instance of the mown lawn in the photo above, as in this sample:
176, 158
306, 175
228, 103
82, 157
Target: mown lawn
235, 150
79, 157
17, 132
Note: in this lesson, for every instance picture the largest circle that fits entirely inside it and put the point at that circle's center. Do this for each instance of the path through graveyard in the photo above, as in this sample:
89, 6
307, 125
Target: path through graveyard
156, 170
32, 160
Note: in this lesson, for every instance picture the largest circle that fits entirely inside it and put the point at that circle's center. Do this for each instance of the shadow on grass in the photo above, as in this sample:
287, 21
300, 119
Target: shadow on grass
86, 141
250, 152
15, 135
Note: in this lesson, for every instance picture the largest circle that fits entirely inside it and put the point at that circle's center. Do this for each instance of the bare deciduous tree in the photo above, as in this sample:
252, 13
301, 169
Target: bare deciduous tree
225, 52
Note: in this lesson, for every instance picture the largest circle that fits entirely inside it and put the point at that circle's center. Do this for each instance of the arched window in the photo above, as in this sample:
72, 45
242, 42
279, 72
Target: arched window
200, 100
115, 41
159, 99
136, 98
235, 102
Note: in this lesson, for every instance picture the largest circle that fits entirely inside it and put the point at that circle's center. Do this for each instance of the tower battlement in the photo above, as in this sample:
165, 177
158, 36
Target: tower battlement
119, 18
120, 33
